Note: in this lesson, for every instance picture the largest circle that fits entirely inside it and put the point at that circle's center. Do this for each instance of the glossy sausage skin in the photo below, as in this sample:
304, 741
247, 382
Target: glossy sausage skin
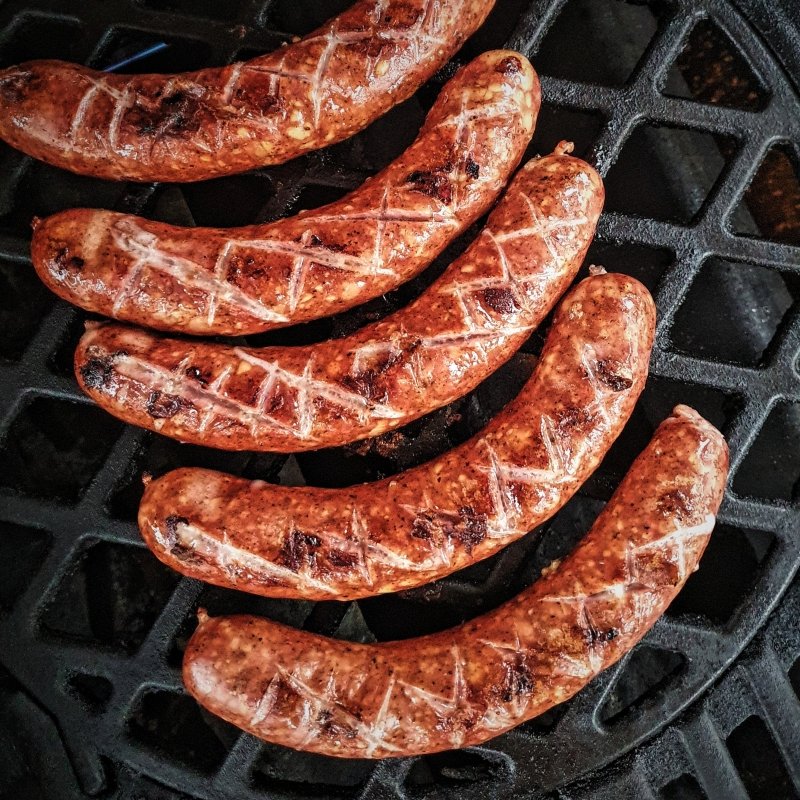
383, 376
199, 125
320, 262
469, 684
413, 528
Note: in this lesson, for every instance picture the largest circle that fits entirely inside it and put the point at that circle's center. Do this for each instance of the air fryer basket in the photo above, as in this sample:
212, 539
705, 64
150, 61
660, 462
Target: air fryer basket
690, 109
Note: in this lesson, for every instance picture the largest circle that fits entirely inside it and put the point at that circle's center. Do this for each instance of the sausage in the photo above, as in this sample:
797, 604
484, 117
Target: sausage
416, 527
463, 686
198, 125
251, 279
385, 375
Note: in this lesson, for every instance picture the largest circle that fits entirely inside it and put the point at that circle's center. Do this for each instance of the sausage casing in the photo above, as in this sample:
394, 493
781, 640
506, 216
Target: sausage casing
199, 125
469, 322
415, 527
322, 261
469, 684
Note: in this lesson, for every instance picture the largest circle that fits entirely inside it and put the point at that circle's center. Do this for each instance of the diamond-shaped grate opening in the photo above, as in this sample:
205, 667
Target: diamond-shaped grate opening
33, 36
737, 553
302, 18
592, 58
110, 595
302, 774
94, 691
770, 208
452, 769
758, 762
646, 675
22, 550
25, 302
642, 183
314, 195
211, 9
685, 787
711, 69
747, 298
54, 448
172, 724
556, 123
771, 468
227, 202
121, 45
647, 264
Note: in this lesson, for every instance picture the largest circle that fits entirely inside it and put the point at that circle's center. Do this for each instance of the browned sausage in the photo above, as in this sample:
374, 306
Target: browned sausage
198, 125
385, 375
425, 523
244, 280
466, 685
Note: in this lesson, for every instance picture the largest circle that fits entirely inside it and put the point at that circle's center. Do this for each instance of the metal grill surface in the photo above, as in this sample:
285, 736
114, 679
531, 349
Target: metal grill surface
694, 121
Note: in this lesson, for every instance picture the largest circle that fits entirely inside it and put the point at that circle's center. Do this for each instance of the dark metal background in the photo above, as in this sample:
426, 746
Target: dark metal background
683, 105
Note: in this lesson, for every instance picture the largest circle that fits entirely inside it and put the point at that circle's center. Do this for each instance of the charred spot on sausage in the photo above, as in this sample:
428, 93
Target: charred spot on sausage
65, 262
473, 529
342, 559
97, 372
518, 678
509, 66
473, 168
608, 371
175, 115
500, 300
13, 88
299, 548
433, 183
164, 406
675, 503
197, 374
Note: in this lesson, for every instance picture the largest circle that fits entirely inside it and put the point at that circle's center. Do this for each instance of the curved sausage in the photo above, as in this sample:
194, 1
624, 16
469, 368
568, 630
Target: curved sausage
416, 527
383, 376
199, 125
245, 280
469, 684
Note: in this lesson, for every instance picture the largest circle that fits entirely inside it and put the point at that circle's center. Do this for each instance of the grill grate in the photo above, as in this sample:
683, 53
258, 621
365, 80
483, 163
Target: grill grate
694, 122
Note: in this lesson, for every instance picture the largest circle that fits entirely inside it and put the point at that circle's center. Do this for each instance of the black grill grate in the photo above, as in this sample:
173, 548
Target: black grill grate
682, 106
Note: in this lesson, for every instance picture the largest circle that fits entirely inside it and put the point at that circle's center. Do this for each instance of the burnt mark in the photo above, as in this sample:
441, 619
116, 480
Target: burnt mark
197, 374
64, 262
96, 373
676, 503
316, 241
573, 419
243, 267
15, 88
468, 526
473, 168
500, 300
164, 406
608, 372
473, 528
333, 729
434, 183
509, 66
175, 116
265, 102
342, 559
595, 636
517, 679
400, 16
299, 548
172, 522
366, 383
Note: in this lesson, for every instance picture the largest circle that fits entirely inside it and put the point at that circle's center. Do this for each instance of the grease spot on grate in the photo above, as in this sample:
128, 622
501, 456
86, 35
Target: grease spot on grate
750, 303
25, 302
770, 208
110, 595
31, 36
302, 775
182, 55
227, 202
739, 554
54, 448
646, 264
771, 468
94, 691
556, 123
665, 173
711, 69
212, 9
174, 726
597, 41
430, 774
646, 675
22, 551
759, 763
685, 787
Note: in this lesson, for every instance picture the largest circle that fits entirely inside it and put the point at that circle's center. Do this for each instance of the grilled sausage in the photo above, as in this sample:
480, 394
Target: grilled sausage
251, 279
385, 375
466, 685
199, 125
425, 523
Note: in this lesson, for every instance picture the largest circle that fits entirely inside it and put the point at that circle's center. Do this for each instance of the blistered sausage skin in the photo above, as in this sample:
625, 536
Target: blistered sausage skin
322, 261
197, 125
469, 684
413, 528
386, 374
